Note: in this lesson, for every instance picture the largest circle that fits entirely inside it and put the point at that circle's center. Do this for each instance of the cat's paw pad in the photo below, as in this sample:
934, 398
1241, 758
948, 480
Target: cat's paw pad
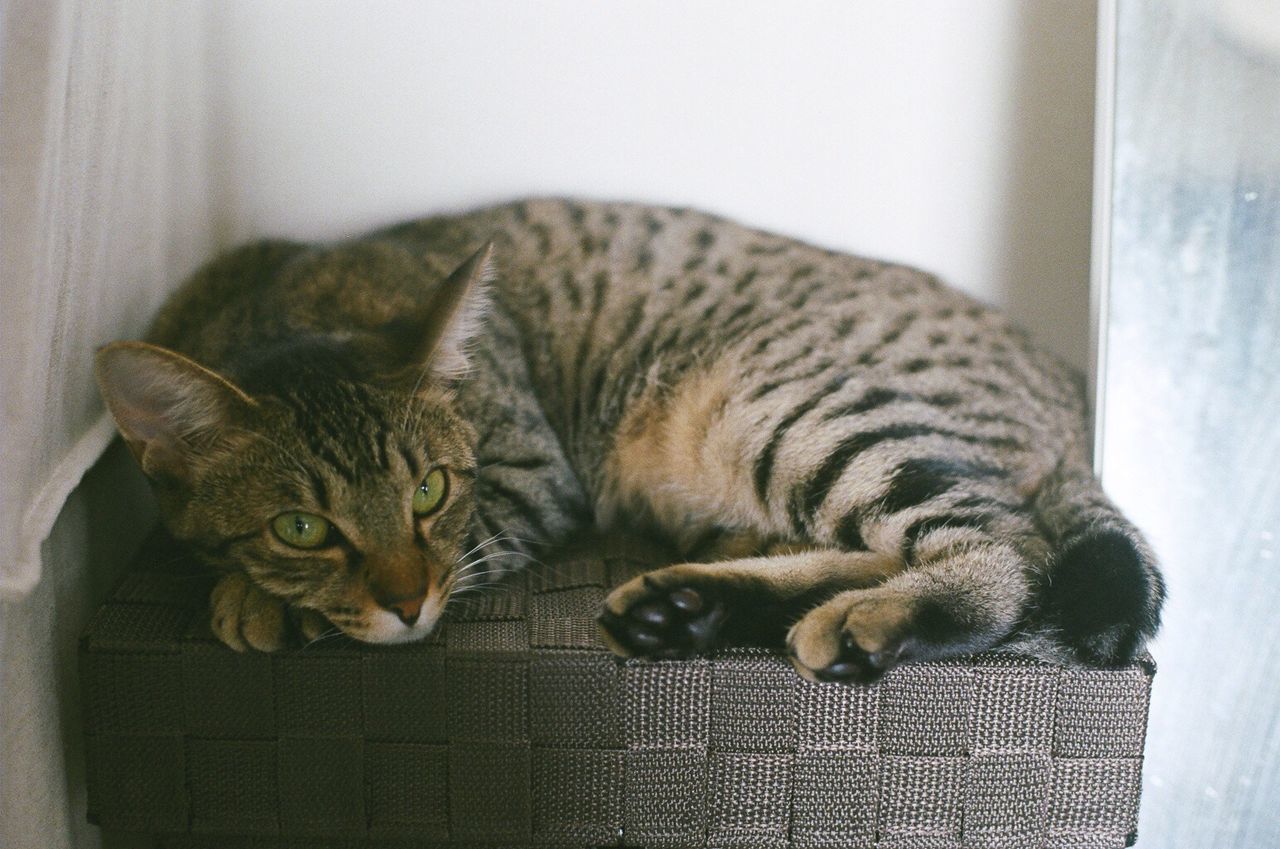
245, 617
663, 614
857, 636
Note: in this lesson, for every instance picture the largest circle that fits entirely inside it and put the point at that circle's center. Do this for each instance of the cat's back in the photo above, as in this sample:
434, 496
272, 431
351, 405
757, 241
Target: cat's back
622, 304
616, 301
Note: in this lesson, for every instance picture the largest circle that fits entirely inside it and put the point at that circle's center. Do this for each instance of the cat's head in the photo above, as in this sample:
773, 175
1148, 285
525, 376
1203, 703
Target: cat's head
337, 479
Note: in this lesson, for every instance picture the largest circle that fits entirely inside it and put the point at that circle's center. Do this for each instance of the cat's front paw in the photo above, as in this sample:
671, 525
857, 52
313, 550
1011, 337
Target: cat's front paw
670, 613
856, 636
245, 617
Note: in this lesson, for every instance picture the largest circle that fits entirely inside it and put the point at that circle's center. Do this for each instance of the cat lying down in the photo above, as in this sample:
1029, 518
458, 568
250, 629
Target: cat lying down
859, 465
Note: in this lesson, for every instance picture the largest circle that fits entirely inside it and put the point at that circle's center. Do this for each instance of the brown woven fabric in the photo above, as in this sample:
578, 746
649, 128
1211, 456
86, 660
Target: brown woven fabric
514, 727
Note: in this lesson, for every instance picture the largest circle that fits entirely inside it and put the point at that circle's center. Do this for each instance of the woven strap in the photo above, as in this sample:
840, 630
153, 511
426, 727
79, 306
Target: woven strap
513, 726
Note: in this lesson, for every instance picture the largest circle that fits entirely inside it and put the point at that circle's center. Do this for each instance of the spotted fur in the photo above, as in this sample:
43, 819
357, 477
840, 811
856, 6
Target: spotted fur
860, 463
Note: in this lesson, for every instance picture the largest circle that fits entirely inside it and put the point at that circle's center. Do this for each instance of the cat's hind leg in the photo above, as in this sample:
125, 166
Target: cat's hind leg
692, 608
963, 599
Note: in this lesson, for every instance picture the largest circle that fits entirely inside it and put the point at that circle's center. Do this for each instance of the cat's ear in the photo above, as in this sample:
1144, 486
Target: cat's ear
166, 406
435, 341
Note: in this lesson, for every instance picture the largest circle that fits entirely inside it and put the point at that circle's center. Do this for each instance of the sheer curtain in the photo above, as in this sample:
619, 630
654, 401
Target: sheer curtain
104, 206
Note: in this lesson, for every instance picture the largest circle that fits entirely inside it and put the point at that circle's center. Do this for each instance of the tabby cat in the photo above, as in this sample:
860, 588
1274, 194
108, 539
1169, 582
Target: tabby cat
858, 463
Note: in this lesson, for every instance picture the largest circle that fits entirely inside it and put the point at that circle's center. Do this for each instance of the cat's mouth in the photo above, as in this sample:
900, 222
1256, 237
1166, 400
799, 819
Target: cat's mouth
384, 627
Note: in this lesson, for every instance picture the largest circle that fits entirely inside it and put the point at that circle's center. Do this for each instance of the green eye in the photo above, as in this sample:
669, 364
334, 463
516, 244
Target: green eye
300, 530
429, 495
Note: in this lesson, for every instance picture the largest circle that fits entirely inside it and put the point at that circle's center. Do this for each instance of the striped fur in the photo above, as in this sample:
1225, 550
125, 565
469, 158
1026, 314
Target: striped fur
892, 471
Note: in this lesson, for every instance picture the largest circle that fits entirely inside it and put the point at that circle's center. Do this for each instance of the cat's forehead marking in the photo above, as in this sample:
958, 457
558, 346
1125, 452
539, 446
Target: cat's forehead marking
319, 489
416, 461
346, 428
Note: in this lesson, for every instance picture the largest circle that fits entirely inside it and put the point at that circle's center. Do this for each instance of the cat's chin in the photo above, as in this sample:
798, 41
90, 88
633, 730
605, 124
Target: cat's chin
385, 628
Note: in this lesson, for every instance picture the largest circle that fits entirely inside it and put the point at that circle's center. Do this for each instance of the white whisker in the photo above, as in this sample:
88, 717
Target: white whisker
490, 584
496, 538
493, 555
329, 634
473, 576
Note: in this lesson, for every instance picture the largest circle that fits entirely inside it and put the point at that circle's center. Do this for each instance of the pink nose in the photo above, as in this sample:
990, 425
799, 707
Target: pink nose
408, 610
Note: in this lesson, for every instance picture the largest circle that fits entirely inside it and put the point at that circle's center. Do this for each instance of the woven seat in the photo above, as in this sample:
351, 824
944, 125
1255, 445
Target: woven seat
513, 726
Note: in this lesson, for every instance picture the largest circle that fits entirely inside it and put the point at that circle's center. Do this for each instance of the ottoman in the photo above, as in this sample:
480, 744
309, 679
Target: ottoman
514, 727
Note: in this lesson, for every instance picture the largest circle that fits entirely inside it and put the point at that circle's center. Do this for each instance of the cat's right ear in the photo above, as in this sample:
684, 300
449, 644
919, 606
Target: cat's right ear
435, 340
166, 406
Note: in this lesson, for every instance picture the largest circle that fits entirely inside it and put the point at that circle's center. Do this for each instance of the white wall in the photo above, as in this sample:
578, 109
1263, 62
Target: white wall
952, 135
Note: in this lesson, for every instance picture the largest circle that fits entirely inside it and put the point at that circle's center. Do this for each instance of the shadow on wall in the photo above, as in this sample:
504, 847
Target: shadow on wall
955, 137
1045, 268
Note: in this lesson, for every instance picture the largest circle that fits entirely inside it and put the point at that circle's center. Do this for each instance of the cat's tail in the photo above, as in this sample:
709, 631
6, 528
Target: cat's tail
1102, 593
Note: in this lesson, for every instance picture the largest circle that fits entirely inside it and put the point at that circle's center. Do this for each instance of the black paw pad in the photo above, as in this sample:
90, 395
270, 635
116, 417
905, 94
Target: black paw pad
854, 664
671, 623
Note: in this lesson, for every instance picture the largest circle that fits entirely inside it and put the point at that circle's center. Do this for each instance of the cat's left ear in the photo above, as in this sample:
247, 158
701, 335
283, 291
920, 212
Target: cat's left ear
438, 337
168, 408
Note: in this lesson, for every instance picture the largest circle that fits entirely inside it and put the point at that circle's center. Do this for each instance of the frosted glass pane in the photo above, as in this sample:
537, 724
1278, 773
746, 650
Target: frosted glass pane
1191, 399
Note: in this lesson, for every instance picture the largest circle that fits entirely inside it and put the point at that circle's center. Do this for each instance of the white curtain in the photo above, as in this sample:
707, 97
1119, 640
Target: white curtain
103, 207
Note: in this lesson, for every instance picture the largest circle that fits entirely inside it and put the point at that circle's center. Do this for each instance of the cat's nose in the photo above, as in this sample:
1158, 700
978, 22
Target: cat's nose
407, 610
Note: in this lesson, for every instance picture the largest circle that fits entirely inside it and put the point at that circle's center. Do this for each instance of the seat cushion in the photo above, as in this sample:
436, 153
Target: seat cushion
512, 725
